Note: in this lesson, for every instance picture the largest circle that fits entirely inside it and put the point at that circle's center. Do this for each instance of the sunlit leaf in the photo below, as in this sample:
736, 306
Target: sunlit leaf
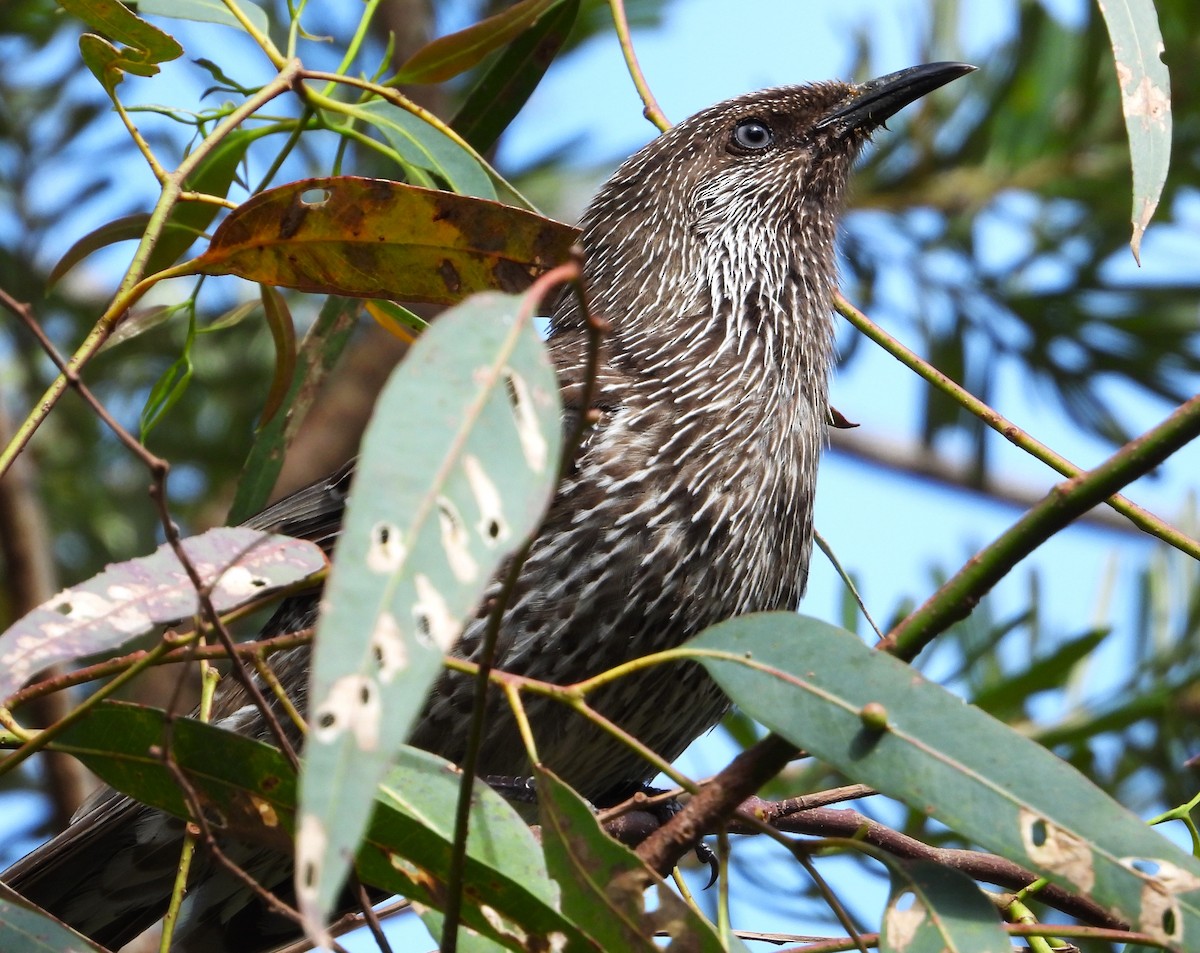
1146, 101
208, 11
458, 464
145, 46
448, 56
372, 238
406, 850
503, 90
811, 682
421, 144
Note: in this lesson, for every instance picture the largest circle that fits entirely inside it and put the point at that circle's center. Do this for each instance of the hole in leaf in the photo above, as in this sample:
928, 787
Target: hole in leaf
1168, 922
310, 875
1037, 833
382, 533
326, 719
314, 197
424, 628
1148, 867
64, 608
905, 901
364, 694
493, 529
258, 582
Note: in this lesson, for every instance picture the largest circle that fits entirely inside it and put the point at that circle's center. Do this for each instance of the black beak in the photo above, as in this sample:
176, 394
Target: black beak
879, 99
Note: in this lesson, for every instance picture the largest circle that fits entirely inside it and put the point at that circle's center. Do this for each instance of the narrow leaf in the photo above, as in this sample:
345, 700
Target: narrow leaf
283, 333
319, 352
126, 228
1146, 101
604, 883
448, 56
371, 238
423, 145
251, 787
811, 682
208, 11
132, 598
458, 464
508, 83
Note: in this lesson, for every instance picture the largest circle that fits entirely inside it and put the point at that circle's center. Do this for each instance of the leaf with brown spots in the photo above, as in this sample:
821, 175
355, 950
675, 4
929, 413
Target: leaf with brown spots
373, 238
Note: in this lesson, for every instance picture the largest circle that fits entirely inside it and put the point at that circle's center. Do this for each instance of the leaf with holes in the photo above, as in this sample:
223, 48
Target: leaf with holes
812, 682
372, 238
934, 909
132, 598
250, 788
458, 464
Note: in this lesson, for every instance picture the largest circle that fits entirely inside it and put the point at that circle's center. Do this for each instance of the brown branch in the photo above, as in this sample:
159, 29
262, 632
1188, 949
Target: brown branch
990, 868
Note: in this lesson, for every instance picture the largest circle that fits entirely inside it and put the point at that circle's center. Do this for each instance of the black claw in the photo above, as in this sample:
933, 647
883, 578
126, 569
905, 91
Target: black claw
705, 855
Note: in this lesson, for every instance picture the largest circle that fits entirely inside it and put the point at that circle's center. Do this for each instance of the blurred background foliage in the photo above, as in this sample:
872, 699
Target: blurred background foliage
1057, 297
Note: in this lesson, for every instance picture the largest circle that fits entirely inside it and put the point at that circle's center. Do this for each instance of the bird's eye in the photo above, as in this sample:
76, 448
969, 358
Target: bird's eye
752, 134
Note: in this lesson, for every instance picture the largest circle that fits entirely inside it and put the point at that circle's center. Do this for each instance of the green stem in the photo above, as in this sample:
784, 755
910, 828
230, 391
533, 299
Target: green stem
1064, 504
1140, 518
133, 285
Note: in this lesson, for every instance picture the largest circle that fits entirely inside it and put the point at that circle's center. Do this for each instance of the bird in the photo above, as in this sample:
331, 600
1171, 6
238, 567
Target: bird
710, 255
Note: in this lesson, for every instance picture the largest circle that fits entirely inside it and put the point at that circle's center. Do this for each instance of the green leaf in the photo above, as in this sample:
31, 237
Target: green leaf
145, 45
809, 681
447, 56
426, 146
458, 464
604, 883
508, 83
1043, 674
372, 238
251, 787
208, 11
132, 598
283, 333
1146, 101
319, 352
124, 229
26, 929
934, 909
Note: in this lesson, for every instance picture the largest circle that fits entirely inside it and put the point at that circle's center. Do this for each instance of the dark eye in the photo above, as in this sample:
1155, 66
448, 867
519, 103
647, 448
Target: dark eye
752, 134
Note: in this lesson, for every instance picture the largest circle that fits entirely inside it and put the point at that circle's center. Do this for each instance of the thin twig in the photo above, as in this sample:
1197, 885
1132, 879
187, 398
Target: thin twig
1057, 510
650, 105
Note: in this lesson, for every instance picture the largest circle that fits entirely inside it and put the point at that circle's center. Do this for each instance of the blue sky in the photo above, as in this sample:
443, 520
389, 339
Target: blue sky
891, 531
